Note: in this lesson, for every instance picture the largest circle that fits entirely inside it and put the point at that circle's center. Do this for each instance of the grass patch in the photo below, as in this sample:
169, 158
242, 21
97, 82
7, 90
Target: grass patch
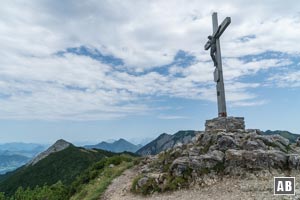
96, 187
219, 167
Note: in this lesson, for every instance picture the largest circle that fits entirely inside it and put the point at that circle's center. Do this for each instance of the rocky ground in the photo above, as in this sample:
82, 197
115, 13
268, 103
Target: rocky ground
229, 188
223, 162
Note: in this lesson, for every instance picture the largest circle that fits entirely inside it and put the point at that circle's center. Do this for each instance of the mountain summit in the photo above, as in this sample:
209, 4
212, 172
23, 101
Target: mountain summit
117, 146
59, 145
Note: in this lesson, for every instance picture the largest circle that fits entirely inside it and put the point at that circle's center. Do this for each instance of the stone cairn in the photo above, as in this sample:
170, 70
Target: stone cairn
225, 124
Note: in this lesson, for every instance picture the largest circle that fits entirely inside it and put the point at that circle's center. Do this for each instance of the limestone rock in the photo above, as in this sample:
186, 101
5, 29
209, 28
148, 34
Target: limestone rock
254, 145
256, 159
227, 124
226, 142
294, 161
180, 165
275, 141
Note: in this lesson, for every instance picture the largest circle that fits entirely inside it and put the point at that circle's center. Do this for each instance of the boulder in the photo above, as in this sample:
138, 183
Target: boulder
179, 166
226, 142
256, 159
280, 139
277, 159
207, 161
250, 145
274, 141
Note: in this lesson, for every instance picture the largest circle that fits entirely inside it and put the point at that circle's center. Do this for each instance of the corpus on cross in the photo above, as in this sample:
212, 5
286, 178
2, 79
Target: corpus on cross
215, 52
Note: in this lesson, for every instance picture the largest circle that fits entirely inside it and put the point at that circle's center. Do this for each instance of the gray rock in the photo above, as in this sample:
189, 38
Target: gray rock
281, 139
273, 139
277, 159
195, 151
143, 181
226, 142
207, 161
205, 139
180, 165
294, 161
253, 145
256, 159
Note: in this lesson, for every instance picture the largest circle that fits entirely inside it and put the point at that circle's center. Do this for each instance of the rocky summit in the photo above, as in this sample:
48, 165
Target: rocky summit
225, 148
59, 145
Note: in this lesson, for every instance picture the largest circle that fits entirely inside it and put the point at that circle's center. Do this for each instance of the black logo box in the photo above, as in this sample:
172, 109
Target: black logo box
284, 181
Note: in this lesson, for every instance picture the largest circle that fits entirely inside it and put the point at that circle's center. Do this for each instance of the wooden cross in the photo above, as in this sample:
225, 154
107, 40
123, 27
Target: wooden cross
214, 44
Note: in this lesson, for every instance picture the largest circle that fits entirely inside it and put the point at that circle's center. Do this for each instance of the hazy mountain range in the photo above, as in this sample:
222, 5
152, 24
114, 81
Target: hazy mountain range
14, 155
65, 162
60, 162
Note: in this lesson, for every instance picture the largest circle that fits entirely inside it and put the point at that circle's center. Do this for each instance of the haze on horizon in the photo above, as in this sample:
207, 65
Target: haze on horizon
88, 71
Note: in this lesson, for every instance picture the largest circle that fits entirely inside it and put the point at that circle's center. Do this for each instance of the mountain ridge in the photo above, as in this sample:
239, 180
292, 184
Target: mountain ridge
165, 141
59, 145
62, 162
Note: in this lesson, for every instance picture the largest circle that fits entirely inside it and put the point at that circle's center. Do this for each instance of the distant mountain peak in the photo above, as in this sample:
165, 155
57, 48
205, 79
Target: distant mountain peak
60, 142
59, 145
165, 141
116, 146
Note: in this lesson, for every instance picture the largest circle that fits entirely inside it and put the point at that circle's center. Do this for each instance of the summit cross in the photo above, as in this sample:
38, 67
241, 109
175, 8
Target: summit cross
213, 44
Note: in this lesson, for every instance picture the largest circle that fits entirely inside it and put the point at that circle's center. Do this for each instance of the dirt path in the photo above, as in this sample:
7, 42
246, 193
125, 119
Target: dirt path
120, 187
227, 189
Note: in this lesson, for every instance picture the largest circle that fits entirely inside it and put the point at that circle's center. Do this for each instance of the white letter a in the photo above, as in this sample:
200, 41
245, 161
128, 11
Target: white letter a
280, 186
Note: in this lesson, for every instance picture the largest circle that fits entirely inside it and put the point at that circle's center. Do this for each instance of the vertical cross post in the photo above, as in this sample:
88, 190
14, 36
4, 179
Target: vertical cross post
219, 71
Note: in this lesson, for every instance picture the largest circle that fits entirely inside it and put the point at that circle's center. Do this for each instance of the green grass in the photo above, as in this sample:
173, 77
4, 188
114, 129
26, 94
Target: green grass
62, 166
96, 187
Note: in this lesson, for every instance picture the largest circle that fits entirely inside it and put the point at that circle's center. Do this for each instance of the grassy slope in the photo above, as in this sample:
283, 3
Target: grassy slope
64, 165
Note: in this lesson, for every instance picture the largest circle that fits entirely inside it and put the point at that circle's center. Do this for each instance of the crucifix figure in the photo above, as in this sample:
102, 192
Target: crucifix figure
215, 53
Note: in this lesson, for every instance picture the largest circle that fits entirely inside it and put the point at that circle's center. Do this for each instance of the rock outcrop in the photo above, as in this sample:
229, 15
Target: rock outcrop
225, 148
59, 145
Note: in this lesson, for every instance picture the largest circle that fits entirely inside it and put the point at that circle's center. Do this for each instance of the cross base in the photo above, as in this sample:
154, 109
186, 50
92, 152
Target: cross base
226, 124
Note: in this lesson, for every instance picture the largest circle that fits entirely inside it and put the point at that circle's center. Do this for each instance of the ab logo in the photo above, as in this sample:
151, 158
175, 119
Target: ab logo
284, 185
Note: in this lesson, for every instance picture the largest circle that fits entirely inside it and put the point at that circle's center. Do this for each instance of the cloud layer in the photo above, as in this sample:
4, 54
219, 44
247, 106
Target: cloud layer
109, 59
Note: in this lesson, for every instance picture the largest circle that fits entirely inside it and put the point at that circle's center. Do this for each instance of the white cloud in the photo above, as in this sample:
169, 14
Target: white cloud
286, 79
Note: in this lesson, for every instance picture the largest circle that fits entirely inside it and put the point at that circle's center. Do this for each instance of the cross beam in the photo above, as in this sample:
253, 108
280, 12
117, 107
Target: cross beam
219, 31
214, 44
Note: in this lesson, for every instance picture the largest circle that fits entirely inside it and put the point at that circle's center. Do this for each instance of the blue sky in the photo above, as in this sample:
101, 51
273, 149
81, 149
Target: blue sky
98, 70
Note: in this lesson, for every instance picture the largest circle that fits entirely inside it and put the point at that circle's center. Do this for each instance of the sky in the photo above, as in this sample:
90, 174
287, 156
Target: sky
88, 71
